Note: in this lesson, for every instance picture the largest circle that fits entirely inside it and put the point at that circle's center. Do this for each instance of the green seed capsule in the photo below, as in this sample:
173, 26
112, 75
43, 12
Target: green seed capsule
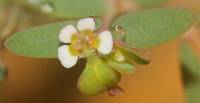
97, 77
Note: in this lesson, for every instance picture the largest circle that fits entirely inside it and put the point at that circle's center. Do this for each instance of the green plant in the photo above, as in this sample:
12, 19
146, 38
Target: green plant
131, 28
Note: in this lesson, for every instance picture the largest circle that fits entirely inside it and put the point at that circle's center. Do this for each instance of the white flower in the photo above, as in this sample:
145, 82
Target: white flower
106, 44
83, 41
66, 34
66, 59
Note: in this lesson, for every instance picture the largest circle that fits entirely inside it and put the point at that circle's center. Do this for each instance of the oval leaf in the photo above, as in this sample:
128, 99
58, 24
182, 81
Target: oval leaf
131, 54
97, 77
190, 59
40, 41
153, 27
191, 72
66, 8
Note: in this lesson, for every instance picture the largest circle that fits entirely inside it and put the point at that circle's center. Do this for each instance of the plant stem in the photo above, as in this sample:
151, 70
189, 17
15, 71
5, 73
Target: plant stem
8, 26
193, 38
116, 8
10, 23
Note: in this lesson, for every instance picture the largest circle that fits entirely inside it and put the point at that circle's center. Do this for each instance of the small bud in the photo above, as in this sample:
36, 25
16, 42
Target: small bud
119, 56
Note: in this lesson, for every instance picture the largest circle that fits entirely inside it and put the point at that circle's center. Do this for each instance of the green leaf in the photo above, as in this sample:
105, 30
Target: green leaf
153, 27
97, 77
133, 57
191, 71
121, 67
40, 41
190, 60
193, 92
66, 8
150, 3
131, 54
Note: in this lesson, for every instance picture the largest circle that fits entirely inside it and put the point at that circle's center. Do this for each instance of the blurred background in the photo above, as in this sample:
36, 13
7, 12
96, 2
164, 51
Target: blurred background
173, 76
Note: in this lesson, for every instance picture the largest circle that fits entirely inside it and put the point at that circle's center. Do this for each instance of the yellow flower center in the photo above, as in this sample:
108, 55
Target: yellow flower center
73, 51
82, 41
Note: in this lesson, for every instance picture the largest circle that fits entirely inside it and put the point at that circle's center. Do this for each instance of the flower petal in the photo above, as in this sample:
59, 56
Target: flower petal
67, 60
66, 33
86, 24
106, 42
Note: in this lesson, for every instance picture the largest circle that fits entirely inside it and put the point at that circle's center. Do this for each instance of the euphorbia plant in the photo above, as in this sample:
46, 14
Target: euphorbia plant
112, 48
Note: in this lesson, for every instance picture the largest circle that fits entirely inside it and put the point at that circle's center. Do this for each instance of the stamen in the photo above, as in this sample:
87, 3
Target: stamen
96, 42
73, 51
74, 39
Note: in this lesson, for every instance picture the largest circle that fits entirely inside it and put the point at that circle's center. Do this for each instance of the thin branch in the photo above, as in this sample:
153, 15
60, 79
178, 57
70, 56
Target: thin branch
10, 23
116, 8
193, 37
